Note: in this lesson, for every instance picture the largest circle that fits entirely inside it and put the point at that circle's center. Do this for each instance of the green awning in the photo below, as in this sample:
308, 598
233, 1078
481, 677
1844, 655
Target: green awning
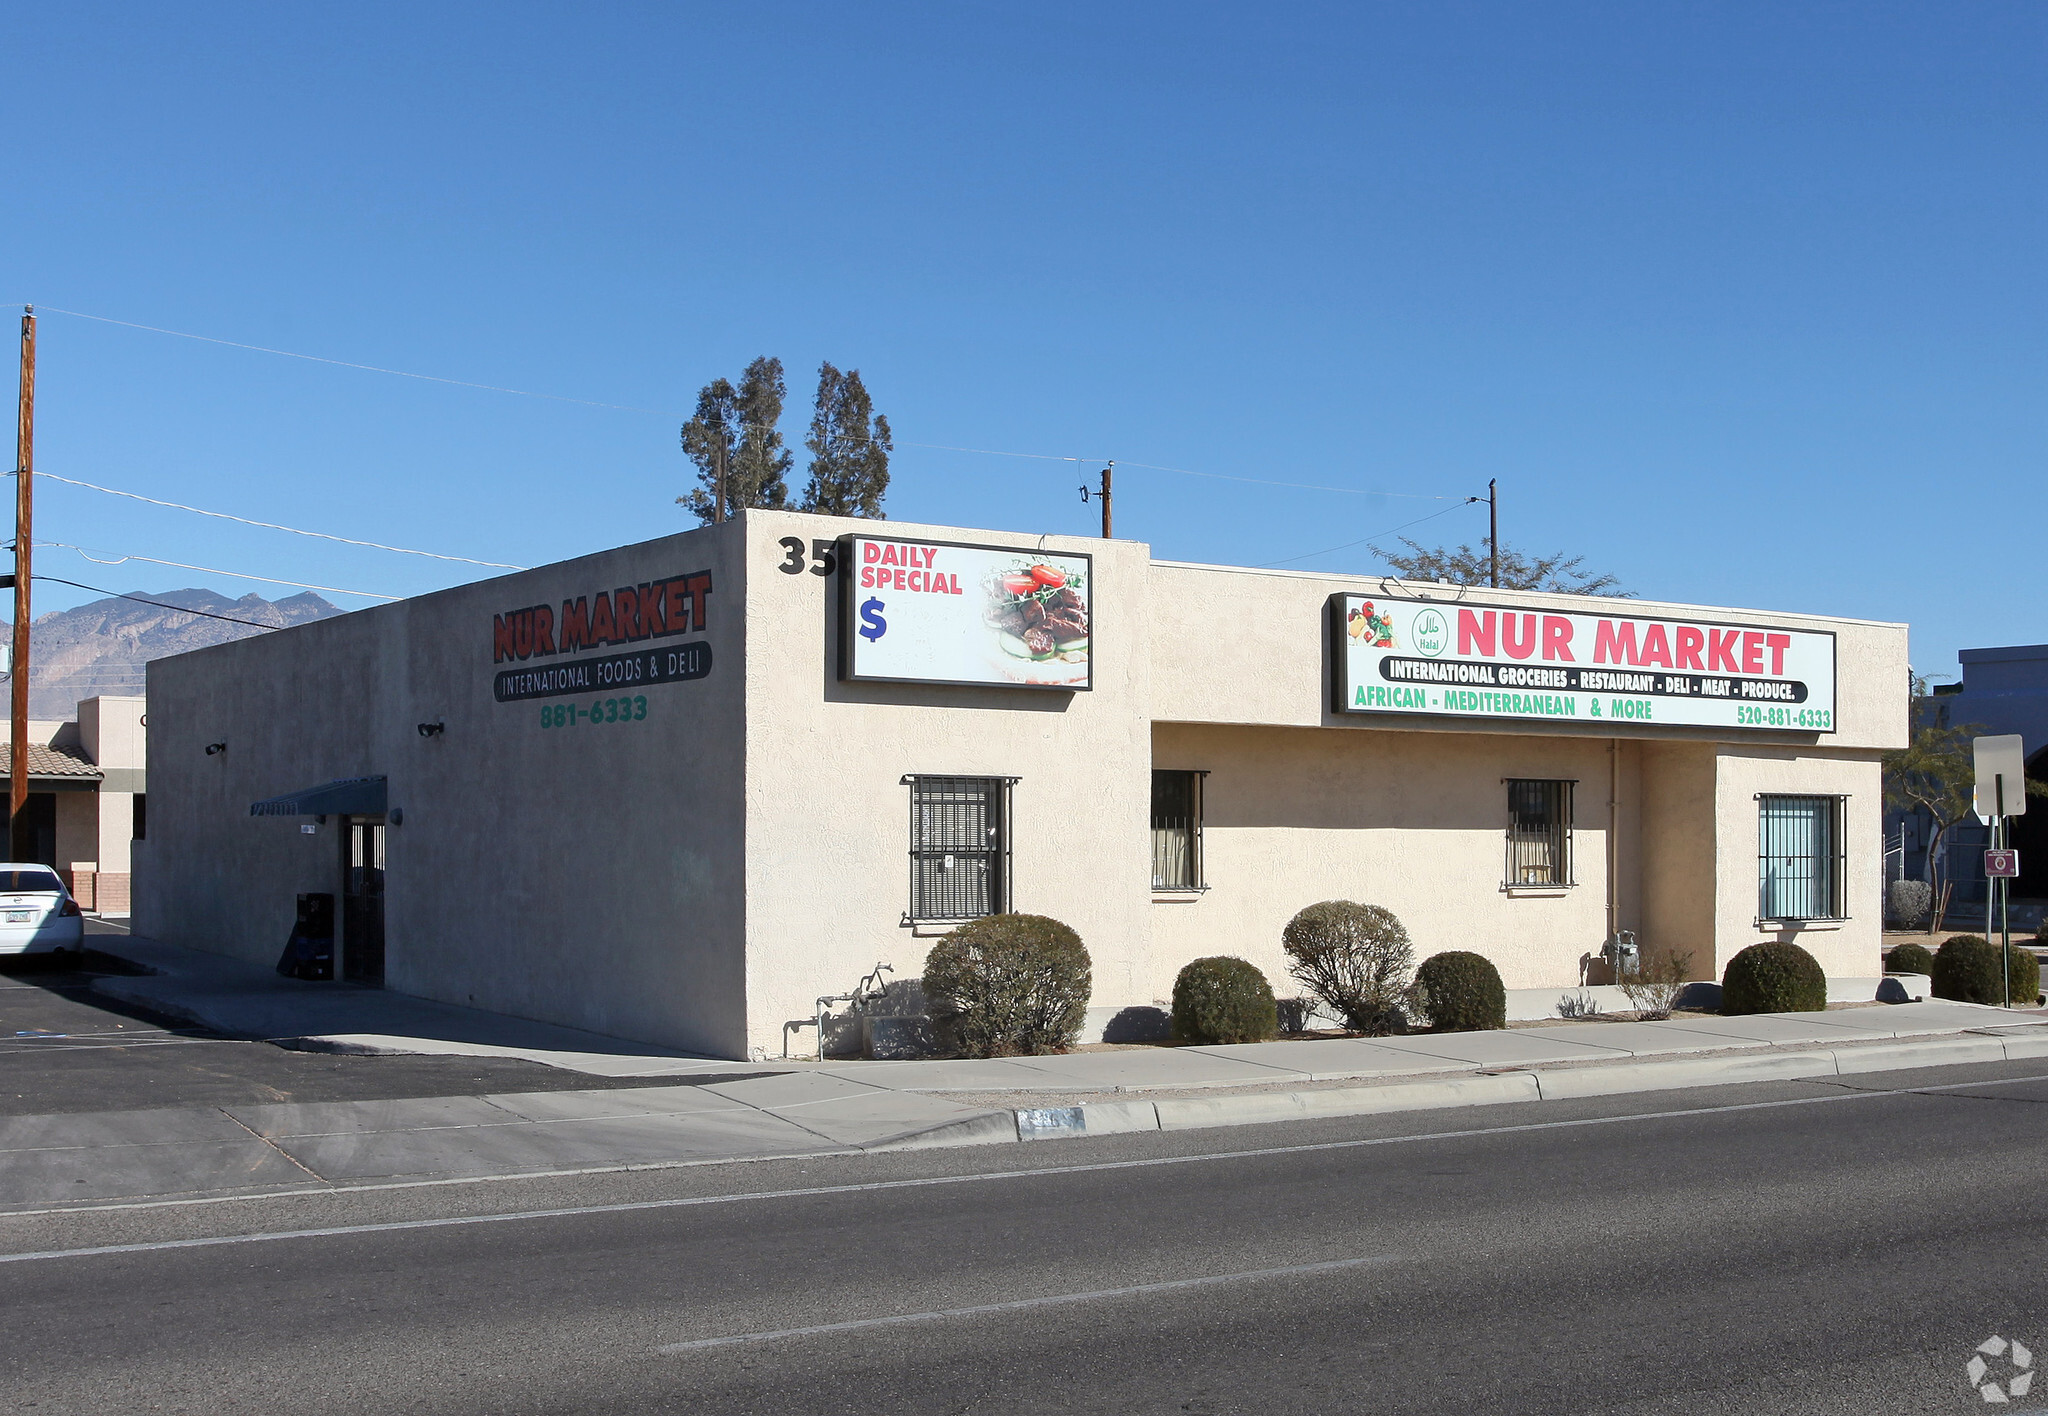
353, 796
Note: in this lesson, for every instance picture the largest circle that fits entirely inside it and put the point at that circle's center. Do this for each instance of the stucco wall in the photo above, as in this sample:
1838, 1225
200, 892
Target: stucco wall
828, 815
587, 875
1852, 947
1415, 823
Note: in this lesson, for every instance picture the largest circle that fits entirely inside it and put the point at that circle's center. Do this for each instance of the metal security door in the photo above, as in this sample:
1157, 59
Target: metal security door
362, 900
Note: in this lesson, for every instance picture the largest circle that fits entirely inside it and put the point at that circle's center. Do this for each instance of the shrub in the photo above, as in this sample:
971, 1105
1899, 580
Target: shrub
1009, 984
1909, 958
1653, 985
1773, 977
1461, 992
1966, 970
1222, 999
2026, 976
1908, 901
1354, 958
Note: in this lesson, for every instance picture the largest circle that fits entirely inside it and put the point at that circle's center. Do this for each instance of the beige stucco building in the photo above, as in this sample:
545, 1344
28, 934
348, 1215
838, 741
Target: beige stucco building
679, 790
87, 797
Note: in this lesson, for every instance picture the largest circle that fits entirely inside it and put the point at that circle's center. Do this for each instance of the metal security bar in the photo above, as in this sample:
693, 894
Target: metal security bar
1539, 832
1799, 857
1177, 830
959, 847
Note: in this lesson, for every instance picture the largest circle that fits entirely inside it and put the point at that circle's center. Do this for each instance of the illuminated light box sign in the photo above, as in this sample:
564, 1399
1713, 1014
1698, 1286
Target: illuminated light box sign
941, 612
1465, 660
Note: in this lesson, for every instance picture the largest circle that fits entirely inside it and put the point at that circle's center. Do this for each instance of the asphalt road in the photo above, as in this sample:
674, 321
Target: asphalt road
1833, 1252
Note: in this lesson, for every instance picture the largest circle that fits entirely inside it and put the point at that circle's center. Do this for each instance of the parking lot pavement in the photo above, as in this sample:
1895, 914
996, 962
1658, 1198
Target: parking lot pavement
66, 1049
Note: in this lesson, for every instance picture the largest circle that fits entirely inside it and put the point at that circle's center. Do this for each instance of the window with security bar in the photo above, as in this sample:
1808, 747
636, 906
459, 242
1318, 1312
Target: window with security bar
1177, 831
1539, 832
959, 847
1799, 857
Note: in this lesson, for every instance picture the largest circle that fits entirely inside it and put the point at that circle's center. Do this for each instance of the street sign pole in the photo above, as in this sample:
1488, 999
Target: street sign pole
1999, 760
1998, 830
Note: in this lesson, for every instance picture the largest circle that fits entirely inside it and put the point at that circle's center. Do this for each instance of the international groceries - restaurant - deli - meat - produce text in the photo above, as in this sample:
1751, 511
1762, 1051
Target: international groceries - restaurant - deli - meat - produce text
937, 612
1447, 656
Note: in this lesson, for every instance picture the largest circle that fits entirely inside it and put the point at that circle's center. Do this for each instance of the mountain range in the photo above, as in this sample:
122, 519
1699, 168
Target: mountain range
101, 647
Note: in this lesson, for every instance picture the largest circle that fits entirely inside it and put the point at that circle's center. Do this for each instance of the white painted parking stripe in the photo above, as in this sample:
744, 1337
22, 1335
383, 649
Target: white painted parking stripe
1020, 1305
1850, 1094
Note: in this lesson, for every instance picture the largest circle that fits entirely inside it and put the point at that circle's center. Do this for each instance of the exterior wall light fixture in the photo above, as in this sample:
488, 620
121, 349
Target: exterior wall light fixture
214, 749
428, 730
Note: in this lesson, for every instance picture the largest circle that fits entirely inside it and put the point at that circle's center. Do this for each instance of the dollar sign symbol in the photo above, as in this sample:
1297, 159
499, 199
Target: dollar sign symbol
872, 625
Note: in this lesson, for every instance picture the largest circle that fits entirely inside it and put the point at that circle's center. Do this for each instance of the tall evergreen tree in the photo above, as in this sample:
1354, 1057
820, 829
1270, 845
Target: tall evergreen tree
758, 472
850, 449
713, 430
756, 461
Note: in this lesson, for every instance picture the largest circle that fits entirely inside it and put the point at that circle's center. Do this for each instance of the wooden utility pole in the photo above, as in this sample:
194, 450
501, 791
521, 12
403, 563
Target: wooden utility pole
24, 486
1102, 495
1493, 526
718, 511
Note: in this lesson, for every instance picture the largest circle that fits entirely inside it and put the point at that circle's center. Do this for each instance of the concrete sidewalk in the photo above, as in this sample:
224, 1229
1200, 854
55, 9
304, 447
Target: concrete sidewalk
738, 1111
101, 1156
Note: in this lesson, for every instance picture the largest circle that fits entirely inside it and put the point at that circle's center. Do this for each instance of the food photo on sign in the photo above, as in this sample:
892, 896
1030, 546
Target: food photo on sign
932, 612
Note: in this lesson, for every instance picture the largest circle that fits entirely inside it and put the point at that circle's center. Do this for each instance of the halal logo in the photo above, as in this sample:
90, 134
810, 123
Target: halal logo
1432, 635
2012, 1377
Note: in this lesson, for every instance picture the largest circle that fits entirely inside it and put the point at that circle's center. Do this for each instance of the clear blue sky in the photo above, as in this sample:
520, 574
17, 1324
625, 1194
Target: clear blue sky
1745, 303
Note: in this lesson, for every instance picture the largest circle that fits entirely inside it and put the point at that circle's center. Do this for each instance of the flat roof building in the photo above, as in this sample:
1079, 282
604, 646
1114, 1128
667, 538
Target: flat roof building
679, 790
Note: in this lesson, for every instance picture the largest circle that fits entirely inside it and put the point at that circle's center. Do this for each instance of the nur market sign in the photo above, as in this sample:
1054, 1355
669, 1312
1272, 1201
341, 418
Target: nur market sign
1466, 660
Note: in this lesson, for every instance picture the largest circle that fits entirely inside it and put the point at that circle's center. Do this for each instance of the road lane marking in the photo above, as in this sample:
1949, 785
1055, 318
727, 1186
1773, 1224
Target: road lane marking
1020, 1305
1848, 1094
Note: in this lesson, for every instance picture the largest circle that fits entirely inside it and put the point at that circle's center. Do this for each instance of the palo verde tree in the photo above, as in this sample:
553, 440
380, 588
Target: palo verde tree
1933, 773
850, 447
1518, 571
739, 425
1936, 773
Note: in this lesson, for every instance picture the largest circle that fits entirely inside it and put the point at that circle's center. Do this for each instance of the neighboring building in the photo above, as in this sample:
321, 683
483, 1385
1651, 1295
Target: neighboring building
2004, 690
86, 797
679, 790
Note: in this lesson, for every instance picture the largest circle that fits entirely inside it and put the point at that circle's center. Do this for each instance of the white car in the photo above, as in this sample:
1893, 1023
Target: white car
37, 914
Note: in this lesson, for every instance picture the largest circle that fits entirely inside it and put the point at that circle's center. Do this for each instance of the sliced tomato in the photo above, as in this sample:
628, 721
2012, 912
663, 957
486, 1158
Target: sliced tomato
1048, 576
1018, 583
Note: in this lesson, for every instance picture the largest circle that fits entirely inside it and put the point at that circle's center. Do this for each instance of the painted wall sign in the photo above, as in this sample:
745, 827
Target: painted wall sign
941, 612
657, 609
1466, 660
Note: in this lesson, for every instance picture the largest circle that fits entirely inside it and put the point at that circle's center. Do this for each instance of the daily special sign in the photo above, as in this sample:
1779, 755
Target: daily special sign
1400, 656
939, 612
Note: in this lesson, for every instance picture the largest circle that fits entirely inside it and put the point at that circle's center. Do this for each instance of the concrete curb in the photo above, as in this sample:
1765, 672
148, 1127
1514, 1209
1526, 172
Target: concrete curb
1119, 1117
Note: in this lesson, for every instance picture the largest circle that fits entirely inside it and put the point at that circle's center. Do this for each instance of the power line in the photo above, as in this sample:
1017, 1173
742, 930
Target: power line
665, 413
272, 525
144, 600
120, 559
1188, 472
366, 368
1268, 565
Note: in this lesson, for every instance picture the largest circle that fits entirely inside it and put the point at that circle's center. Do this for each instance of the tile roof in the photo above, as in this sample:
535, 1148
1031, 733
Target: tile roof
46, 761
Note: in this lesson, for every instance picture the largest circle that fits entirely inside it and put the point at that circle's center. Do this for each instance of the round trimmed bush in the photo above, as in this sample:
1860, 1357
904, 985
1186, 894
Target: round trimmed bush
1009, 985
1223, 999
1909, 958
1908, 901
1462, 992
2026, 976
1773, 977
1354, 959
1967, 969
